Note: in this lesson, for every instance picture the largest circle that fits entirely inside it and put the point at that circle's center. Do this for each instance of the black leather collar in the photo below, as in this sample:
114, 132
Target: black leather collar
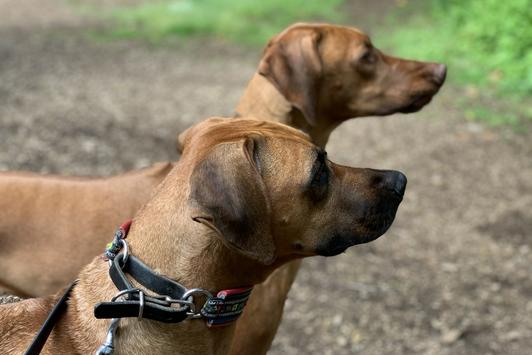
173, 302
159, 308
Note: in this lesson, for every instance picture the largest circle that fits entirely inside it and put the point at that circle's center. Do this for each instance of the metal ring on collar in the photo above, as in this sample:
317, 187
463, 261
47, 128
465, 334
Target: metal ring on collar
125, 292
141, 299
141, 305
194, 291
125, 250
189, 295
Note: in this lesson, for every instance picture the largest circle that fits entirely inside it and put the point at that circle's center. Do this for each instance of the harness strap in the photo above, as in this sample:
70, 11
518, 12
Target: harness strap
59, 308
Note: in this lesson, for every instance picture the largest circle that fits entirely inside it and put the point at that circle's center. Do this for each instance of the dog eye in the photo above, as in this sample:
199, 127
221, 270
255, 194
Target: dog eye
321, 177
368, 58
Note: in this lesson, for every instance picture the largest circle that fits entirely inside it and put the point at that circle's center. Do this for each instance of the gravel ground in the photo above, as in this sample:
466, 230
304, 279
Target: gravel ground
452, 276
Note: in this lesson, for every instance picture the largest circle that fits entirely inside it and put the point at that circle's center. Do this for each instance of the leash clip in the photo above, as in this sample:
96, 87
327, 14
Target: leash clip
108, 347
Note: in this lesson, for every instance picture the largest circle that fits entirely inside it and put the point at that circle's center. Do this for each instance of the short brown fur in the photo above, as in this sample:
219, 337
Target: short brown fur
81, 214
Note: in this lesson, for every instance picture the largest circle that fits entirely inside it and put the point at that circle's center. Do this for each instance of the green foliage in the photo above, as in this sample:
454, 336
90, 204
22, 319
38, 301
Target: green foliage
498, 36
243, 21
486, 44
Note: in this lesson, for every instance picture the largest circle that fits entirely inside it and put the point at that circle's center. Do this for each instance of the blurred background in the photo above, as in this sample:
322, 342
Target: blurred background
100, 87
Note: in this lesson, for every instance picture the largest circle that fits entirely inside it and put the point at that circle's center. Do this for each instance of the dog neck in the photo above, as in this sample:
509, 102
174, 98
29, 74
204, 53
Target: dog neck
165, 238
262, 100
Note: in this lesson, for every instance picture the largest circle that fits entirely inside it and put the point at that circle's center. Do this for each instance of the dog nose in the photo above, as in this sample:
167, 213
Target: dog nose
440, 73
394, 181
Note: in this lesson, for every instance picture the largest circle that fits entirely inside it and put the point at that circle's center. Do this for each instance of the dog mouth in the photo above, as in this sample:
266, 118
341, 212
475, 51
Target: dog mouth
339, 242
417, 103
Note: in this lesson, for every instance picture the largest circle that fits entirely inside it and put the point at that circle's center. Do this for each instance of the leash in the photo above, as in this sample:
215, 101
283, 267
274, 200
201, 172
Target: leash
53, 317
171, 303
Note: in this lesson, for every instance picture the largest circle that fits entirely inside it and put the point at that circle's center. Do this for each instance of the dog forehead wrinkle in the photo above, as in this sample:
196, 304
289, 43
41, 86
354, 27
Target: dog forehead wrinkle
240, 128
297, 26
355, 30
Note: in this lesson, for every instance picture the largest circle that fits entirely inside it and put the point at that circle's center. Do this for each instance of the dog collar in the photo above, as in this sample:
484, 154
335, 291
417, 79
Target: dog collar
172, 303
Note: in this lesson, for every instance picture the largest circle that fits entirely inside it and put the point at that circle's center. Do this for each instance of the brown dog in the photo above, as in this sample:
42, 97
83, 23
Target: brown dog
235, 207
45, 218
311, 76
315, 77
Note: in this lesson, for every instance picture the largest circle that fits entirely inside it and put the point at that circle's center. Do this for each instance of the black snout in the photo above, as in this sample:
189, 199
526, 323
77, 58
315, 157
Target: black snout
393, 181
367, 212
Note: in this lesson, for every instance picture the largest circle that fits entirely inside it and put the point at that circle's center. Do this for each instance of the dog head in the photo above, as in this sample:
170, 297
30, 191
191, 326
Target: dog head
335, 73
270, 194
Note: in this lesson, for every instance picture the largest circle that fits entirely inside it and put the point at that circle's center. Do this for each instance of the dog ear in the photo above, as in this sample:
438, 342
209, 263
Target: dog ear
230, 196
293, 65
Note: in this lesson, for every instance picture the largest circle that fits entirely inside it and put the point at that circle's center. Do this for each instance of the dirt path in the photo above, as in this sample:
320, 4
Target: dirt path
452, 276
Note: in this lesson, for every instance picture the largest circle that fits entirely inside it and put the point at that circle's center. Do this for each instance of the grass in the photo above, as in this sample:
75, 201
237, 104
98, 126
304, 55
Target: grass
247, 22
487, 45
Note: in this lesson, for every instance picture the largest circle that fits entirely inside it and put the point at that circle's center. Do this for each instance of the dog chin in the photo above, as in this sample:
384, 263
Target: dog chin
339, 243
417, 103
331, 250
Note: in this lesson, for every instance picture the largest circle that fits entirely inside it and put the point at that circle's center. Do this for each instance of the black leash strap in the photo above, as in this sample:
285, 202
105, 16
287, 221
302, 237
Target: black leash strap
40, 339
